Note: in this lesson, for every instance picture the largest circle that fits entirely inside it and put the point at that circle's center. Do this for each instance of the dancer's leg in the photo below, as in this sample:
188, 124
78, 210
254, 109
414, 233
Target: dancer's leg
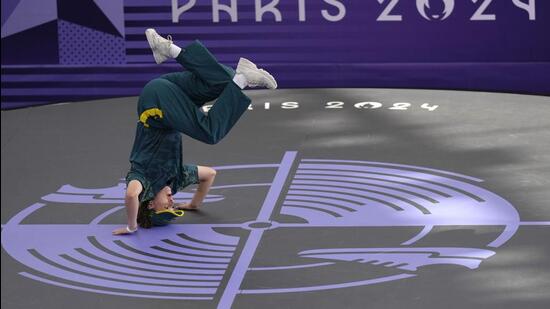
205, 77
184, 116
197, 59
163, 104
207, 80
203, 64
197, 89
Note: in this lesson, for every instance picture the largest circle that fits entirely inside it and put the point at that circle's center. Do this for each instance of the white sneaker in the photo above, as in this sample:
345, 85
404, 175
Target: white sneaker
255, 77
159, 45
245, 63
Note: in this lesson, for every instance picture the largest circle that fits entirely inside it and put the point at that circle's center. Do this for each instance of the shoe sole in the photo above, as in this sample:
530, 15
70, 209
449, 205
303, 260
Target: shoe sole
271, 82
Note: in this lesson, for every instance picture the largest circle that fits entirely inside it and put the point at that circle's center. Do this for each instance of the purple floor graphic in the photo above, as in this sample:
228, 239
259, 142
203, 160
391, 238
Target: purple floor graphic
190, 261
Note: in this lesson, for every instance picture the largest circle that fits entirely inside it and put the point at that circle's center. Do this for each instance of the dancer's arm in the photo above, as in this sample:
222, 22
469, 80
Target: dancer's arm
206, 178
132, 206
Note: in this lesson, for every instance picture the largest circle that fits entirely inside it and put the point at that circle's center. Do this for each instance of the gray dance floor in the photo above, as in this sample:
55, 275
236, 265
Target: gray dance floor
325, 198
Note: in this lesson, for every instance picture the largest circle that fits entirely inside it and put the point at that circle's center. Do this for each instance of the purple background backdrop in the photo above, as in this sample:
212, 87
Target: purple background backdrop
68, 50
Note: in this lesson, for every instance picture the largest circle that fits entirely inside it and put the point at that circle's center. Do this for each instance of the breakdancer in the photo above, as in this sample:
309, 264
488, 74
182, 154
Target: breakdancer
169, 106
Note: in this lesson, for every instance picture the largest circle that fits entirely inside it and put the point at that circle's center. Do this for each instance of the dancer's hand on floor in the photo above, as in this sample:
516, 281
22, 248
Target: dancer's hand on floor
185, 206
122, 231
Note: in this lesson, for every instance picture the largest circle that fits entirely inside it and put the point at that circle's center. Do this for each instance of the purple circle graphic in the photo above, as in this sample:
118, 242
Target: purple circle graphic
315, 192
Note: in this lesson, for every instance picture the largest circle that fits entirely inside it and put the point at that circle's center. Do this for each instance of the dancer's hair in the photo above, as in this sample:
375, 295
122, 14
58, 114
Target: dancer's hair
144, 215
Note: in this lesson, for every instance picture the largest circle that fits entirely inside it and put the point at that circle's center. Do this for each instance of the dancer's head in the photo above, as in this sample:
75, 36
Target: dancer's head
159, 210
163, 200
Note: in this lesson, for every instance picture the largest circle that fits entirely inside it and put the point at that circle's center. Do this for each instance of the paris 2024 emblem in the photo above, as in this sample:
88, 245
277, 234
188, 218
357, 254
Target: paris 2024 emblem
425, 6
200, 261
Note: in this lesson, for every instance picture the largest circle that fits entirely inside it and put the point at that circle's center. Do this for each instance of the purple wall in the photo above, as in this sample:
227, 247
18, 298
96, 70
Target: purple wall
66, 50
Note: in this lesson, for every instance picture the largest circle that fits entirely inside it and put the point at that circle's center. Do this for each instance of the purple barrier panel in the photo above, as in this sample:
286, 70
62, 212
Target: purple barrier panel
431, 44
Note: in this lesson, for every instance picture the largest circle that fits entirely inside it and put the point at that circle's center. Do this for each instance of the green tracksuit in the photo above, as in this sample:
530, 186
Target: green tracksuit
170, 105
